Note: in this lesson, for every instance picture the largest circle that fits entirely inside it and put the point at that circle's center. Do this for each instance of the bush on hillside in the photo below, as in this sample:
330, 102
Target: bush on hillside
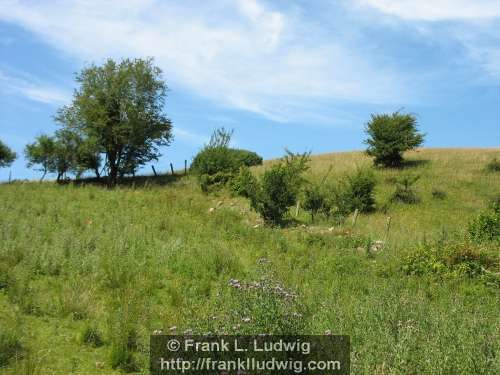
360, 189
405, 190
493, 165
486, 226
438, 194
316, 201
277, 190
354, 192
244, 183
455, 259
216, 163
390, 135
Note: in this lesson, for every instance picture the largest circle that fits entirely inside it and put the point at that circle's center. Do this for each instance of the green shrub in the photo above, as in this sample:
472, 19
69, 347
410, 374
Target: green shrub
121, 357
214, 181
405, 190
486, 226
355, 191
460, 259
389, 135
279, 187
10, 338
245, 157
90, 335
360, 191
244, 183
438, 194
315, 201
216, 163
493, 165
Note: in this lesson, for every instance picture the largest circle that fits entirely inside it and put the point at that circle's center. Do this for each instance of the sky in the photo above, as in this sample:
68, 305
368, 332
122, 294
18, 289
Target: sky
296, 74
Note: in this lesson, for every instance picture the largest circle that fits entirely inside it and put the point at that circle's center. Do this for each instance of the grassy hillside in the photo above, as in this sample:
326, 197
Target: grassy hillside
80, 262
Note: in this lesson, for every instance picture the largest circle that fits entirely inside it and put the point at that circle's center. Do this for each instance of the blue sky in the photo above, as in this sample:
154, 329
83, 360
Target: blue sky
298, 74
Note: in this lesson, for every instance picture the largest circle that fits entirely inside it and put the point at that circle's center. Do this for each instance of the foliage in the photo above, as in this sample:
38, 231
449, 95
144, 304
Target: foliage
216, 163
42, 152
210, 182
168, 249
244, 183
359, 190
438, 194
65, 152
486, 226
90, 335
7, 156
389, 135
405, 189
10, 338
277, 190
315, 200
456, 259
118, 108
354, 192
493, 165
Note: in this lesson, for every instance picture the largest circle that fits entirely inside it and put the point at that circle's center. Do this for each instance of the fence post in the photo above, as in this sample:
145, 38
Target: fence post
388, 227
355, 218
185, 167
172, 168
154, 171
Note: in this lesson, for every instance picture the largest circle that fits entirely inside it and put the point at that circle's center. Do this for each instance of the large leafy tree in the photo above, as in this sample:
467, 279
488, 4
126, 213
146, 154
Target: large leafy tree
118, 109
390, 135
7, 156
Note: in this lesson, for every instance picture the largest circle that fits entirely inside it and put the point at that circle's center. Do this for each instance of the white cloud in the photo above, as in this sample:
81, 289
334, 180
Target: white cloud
437, 10
239, 53
32, 89
472, 23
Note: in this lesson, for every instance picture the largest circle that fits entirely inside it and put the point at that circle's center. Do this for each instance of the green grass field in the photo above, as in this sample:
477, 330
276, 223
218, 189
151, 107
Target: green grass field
87, 274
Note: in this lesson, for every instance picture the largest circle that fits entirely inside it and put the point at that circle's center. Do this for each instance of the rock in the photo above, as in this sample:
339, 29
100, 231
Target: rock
245, 320
377, 246
211, 210
328, 332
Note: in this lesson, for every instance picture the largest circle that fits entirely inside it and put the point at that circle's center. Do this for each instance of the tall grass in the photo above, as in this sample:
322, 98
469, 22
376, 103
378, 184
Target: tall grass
85, 262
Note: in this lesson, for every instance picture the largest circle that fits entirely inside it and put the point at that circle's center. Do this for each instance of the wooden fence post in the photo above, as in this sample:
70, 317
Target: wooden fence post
355, 218
388, 227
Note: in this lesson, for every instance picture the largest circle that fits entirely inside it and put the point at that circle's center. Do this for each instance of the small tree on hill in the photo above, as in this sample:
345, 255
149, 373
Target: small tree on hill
41, 153
278, 188
7, 156
390, 135
118, 108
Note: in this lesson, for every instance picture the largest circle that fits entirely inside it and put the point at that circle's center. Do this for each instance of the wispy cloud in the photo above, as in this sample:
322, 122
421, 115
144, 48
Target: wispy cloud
244, 54
473, 24
437, 10
32, 89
